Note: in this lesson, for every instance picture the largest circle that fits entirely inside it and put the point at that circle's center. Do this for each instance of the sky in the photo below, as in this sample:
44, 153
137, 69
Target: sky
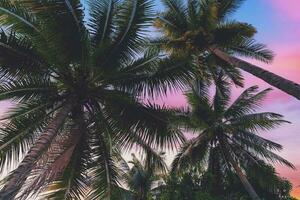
278, 25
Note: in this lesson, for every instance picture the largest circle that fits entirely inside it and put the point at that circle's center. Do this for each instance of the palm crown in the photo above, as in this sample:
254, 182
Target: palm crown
76, 82
227, 135
140, 179
203, 28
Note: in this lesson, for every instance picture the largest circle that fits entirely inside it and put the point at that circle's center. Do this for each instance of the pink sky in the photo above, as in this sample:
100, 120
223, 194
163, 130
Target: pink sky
288, 8
287, 63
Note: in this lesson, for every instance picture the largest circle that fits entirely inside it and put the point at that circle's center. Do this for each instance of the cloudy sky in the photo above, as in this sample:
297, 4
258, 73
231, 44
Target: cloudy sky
278, 25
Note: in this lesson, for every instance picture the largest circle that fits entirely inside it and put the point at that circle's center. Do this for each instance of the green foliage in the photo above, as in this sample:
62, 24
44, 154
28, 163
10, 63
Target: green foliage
140, 179
53, 56
196, 28
208, 185
227, 134
217, 122
184, 187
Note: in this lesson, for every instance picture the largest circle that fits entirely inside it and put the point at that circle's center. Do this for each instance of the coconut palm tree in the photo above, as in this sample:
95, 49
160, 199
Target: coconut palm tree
76, 82
227, 134
140, 179
203, 27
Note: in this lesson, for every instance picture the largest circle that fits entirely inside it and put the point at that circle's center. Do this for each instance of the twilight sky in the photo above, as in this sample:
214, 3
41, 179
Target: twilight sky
278, 25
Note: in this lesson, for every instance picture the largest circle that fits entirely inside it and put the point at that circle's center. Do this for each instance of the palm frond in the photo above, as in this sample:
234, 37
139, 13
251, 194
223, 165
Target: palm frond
192, 152
153, 161
60, 39
149, 121
17, 18
231, 32
247, 102
193, 12
101, 22
74, 8
234, 75
18, 135
201, 106
244, 137
27, 88
167, 75
179, 13
174, 22
17, 55
208, 14
129, 38
269, 156
226, 8
105, 174
249, 48
222, 94
259, 121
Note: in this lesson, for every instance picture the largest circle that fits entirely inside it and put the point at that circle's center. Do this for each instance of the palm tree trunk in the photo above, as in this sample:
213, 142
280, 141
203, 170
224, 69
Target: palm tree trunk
19, 175
247, 185
279, 82
244, 180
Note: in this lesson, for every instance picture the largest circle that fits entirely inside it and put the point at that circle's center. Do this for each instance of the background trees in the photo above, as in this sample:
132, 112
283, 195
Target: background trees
201, 186
143, 176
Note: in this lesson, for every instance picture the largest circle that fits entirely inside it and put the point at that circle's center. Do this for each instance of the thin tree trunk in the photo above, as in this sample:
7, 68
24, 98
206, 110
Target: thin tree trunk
244, 180
247, 185
19, 175
279, 82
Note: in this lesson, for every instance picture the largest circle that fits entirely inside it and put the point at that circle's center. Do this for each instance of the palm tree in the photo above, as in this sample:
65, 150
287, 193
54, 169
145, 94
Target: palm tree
141, 177
227, 134
77, 83
203, 27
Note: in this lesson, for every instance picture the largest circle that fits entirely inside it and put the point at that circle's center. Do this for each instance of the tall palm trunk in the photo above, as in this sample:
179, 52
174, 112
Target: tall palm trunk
238, 170
244, 180
279, 82
19, 175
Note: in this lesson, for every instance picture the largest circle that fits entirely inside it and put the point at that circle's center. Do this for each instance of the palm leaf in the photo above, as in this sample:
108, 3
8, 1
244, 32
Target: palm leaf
179, 13
100, 24
18, 135
247, 102
191, 153
60, 40
16, 17
134, 17
258, 121
226, 8
105, 174
18, 56
166, 75
251, 49
27, 88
